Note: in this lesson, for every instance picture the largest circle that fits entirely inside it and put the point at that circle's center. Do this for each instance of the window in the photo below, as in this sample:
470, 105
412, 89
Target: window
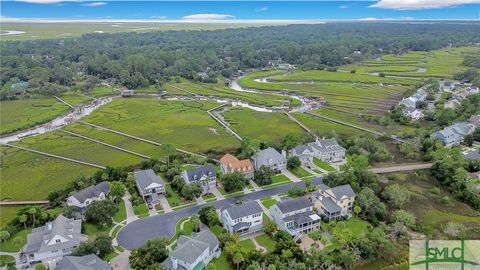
58, 241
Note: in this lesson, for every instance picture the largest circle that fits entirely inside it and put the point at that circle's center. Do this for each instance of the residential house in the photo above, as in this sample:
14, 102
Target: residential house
243, 219
446, 86
472, 155
206, 176
411, 102
87, 262
230, 163
413, 113
475, 120
454, 134
285, 66
296, 216
86, 196
18, 88
150, 185
335, 202
473, 90
270, 158
327, 150
193, 252
52, 241
453, 103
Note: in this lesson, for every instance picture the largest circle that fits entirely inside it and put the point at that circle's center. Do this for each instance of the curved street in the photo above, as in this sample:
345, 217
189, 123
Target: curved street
136, 233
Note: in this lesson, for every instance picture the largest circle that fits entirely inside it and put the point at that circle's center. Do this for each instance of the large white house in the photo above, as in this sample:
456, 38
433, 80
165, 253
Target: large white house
296, 216
150, 185
53, 241
270, 158
327, 150
243, 219
334, 202
86, 196
410, 104
205, 176
193, 252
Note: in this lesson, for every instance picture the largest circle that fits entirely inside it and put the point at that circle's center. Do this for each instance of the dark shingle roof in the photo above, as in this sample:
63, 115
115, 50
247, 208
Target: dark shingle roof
293, 204
246, 209
92, 191
343, 190
146, 177
330, 205
87, 262
472, 155
207, 170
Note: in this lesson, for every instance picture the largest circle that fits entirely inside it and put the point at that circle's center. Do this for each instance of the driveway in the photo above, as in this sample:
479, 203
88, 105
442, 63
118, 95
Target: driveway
290, 176
129, 208
136, 233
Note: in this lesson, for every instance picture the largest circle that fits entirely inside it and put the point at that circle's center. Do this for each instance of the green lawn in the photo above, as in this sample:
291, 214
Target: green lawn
121, 214
5, 259
280, 178
264, 126
110, 256
7, 213
300, 172
141, 210
217, 230
100, 91
267, 202
21, 114
92, 230
221, 263
247, 245
11, 244
172, 197
266, 242
184, 124
187, 227
209, 197
323, 165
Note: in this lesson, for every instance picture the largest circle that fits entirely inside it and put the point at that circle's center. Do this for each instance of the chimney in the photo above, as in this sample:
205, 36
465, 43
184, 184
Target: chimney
174, 262
284, 153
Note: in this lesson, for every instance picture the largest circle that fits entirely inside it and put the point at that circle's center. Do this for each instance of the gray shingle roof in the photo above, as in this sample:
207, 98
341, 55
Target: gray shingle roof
92, 191
343, 190
301, 218
246, 209
267, 157
293, 204
472, 155
206, 170
189, 248
144, 178
87, 262
330, 205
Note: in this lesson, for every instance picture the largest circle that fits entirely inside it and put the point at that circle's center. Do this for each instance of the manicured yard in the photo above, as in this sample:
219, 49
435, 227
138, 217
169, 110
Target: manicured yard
217, 230
172, 197
16, 241
300, 172
141, 210
121, 213
247, 245
267, 202
266, 242
93, 230
279, 178
110, 256
221, 263
209, 197
323, 165
187, 227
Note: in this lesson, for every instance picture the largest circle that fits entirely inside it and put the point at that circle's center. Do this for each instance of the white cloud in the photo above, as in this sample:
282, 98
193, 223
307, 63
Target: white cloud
262, 9
420, 4
344, 6
158, 17
207, 16
94, 4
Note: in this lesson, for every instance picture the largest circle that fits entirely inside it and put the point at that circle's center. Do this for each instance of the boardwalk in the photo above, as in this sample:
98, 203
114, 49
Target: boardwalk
104, 143
225, 125
402, 168
142, 139
23, 203
64, 102
56, 156
299, 123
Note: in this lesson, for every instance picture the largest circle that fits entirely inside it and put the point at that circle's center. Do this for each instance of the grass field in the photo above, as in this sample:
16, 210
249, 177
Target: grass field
21, 114
184, 124
121, 214
247, 245
30, 176
11, 245
264, 126
7, 213
434, 213
266, 242
48, 30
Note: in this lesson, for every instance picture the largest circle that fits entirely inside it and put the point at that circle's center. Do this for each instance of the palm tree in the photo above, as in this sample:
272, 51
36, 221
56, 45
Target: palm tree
32, 211
237, 259
357, 210
23, 219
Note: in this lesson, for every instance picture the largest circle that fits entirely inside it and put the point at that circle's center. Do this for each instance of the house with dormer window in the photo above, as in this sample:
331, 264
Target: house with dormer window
150, 185
270, 158
205, 176
333, 203
243, 219
327, 150
53, 241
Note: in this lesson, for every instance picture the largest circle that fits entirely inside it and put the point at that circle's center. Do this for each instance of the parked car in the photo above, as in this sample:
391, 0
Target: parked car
150, 206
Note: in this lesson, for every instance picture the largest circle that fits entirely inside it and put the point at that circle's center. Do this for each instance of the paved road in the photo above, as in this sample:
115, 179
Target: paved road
136, 233
403, 168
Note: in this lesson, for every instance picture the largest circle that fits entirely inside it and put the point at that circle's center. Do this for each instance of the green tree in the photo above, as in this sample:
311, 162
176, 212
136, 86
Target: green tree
33, 211
101, 246
117, 190
356, 210
249, 147
292, 140
40, 266
263, 176
23, 219
295, 192
191, 191
233, 181
396, 195
404, 217
195, 220
153, 253
208, 216
293, 162
101, 212
4, 235
169, 151
238, 259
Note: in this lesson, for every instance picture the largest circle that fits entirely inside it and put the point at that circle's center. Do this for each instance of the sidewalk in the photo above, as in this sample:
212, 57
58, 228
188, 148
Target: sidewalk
165, 205
254, 185
217, 193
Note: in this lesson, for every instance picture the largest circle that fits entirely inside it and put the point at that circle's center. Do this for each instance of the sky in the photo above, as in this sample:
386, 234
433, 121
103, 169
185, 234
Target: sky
176, 10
